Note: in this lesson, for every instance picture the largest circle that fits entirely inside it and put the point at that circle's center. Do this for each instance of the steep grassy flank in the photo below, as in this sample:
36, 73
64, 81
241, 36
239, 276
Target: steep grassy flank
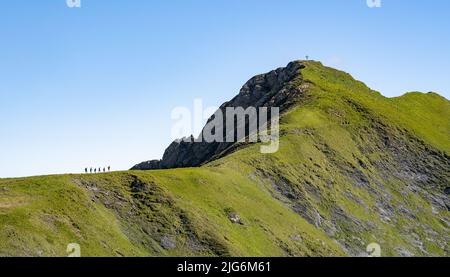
428, 115
174, 212
424, 115
40, 216
363, 167
353, 168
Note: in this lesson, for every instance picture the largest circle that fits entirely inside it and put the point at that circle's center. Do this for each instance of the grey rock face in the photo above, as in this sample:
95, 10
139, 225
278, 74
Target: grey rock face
168, 243
235, 218
148, 165
278, 88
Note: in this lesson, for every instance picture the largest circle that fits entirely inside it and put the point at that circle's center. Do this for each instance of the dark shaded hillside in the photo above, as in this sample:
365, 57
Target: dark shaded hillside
353, 168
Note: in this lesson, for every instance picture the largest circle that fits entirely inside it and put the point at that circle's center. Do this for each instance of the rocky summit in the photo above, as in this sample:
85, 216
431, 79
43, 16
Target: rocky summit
354, 170
279, 88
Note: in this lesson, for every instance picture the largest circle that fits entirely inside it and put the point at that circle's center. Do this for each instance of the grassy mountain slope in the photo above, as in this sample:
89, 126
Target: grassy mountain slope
353, 168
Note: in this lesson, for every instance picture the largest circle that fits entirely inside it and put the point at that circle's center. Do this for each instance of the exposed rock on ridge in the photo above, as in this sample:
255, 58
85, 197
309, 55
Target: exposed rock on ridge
278, 88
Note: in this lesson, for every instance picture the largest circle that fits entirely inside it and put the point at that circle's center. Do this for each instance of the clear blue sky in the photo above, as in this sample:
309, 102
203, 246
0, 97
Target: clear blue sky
95, 86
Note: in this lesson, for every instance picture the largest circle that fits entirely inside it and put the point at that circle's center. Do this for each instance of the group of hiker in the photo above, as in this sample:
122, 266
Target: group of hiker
95, 170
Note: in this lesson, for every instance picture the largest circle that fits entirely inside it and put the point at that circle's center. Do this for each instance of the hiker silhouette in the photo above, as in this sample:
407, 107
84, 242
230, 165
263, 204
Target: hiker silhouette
97, 170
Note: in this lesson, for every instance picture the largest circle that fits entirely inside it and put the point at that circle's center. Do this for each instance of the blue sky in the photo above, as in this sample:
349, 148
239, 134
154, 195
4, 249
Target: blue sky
95, 86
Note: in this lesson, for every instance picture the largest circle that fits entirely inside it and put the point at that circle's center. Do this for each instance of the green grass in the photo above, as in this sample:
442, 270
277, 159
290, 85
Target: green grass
308, 199
54, 211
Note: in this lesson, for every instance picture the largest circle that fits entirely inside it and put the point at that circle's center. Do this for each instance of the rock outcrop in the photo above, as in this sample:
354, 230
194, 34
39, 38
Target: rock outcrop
278, 88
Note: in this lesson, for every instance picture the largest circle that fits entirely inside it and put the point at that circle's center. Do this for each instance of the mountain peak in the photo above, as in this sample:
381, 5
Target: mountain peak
353, 169
299, 82
278, 88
